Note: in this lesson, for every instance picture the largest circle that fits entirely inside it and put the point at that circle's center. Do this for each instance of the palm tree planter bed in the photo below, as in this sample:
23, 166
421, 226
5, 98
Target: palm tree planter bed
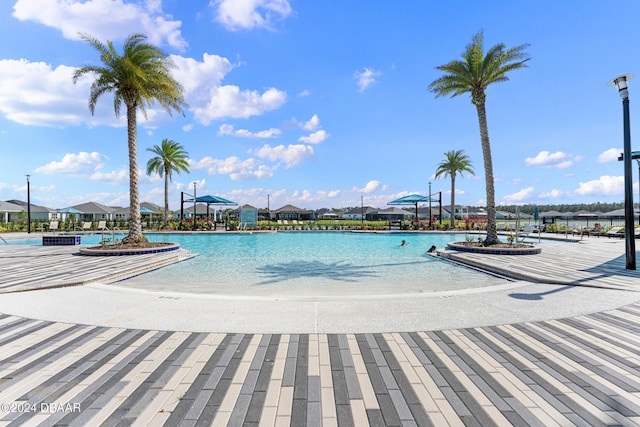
499, 249
139, 249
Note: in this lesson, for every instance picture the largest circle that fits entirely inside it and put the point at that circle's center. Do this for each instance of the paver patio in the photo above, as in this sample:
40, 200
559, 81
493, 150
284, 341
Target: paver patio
578, 370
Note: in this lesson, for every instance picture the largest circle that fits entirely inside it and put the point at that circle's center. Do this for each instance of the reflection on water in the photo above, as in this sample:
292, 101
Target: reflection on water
287, 264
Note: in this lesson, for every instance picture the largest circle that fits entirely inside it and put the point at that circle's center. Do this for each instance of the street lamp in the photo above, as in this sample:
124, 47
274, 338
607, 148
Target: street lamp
362, 211
630, 243
194, 205
28, 205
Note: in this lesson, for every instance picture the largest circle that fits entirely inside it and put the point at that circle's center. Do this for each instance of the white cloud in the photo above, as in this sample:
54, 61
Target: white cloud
82, 162
553, 194
291, 154
369, 187
366, 78
32, 93
229, 101
557, 160
248, 14
227, 129
315, 138
236, 168
312, 124
116, 177
104, 19
520, 196
610, 155
604, 186
187, 128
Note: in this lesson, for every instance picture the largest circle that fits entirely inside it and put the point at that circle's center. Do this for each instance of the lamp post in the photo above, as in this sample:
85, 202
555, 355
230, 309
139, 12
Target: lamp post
28, 205
430, 205
362, 210
268, 211
630, 243
194, 205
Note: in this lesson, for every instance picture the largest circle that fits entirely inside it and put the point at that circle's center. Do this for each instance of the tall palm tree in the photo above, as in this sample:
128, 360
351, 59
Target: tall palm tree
170, 157
138, 78
455, 163
473, 74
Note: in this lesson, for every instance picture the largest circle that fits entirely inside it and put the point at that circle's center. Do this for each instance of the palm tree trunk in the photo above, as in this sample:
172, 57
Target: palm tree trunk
453, 200
492, 231
135, 226
166, 198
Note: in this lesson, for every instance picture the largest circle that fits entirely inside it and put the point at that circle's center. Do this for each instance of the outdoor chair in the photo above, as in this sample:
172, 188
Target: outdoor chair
614, 232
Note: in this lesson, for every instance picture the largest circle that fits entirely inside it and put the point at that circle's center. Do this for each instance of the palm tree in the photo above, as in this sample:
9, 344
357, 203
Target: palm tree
138, 78
455, 163
473, 74
170, 157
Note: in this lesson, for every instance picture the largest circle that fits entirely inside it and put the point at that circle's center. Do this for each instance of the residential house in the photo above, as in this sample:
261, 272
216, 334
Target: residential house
292, 212
360, 213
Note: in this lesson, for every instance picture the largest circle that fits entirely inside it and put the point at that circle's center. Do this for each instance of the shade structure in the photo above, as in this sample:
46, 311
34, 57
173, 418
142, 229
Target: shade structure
412, 199
211, 200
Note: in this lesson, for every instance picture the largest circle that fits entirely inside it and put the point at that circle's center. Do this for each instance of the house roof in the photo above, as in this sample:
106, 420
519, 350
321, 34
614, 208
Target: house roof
34, 208
93, 207
10, 207
290, 208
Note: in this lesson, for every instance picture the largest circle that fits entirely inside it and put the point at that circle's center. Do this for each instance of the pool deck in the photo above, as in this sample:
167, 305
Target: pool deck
558, 346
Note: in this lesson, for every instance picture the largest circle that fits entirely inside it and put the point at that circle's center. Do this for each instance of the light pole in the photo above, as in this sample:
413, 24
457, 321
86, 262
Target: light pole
268, 211
430, 205
362, 210
630, 243
194, 205
28, 205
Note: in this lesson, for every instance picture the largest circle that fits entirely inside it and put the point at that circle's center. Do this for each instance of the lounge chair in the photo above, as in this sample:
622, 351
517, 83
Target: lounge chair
102, 225
522, 235
614, 232
53, 226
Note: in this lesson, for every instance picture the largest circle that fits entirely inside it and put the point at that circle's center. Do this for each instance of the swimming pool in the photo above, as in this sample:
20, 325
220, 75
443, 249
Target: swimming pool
310, 264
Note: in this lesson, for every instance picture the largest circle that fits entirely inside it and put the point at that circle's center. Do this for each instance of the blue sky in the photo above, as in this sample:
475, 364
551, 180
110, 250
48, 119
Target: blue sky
319, 104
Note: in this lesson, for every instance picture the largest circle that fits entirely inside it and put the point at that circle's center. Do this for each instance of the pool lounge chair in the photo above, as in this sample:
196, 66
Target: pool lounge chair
529, 229
614, 232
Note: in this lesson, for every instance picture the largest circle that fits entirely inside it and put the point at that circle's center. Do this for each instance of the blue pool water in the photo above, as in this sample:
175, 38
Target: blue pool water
310, 264
306, 264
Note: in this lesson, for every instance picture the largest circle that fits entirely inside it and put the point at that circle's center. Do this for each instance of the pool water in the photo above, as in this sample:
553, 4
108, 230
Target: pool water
310, 264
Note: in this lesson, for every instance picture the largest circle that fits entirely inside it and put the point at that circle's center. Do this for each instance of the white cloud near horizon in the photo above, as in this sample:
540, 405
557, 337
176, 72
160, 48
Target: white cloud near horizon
104, 19
519, 196
604, 186
366, 78
610, 155
237, 15
71, 163
553, 194
547, 160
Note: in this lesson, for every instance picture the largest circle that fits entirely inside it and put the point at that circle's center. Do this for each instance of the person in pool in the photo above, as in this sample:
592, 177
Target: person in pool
404, 243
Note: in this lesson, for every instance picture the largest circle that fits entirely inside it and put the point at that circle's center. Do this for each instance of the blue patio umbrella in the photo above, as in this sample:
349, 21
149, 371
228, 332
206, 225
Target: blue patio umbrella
536, 214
